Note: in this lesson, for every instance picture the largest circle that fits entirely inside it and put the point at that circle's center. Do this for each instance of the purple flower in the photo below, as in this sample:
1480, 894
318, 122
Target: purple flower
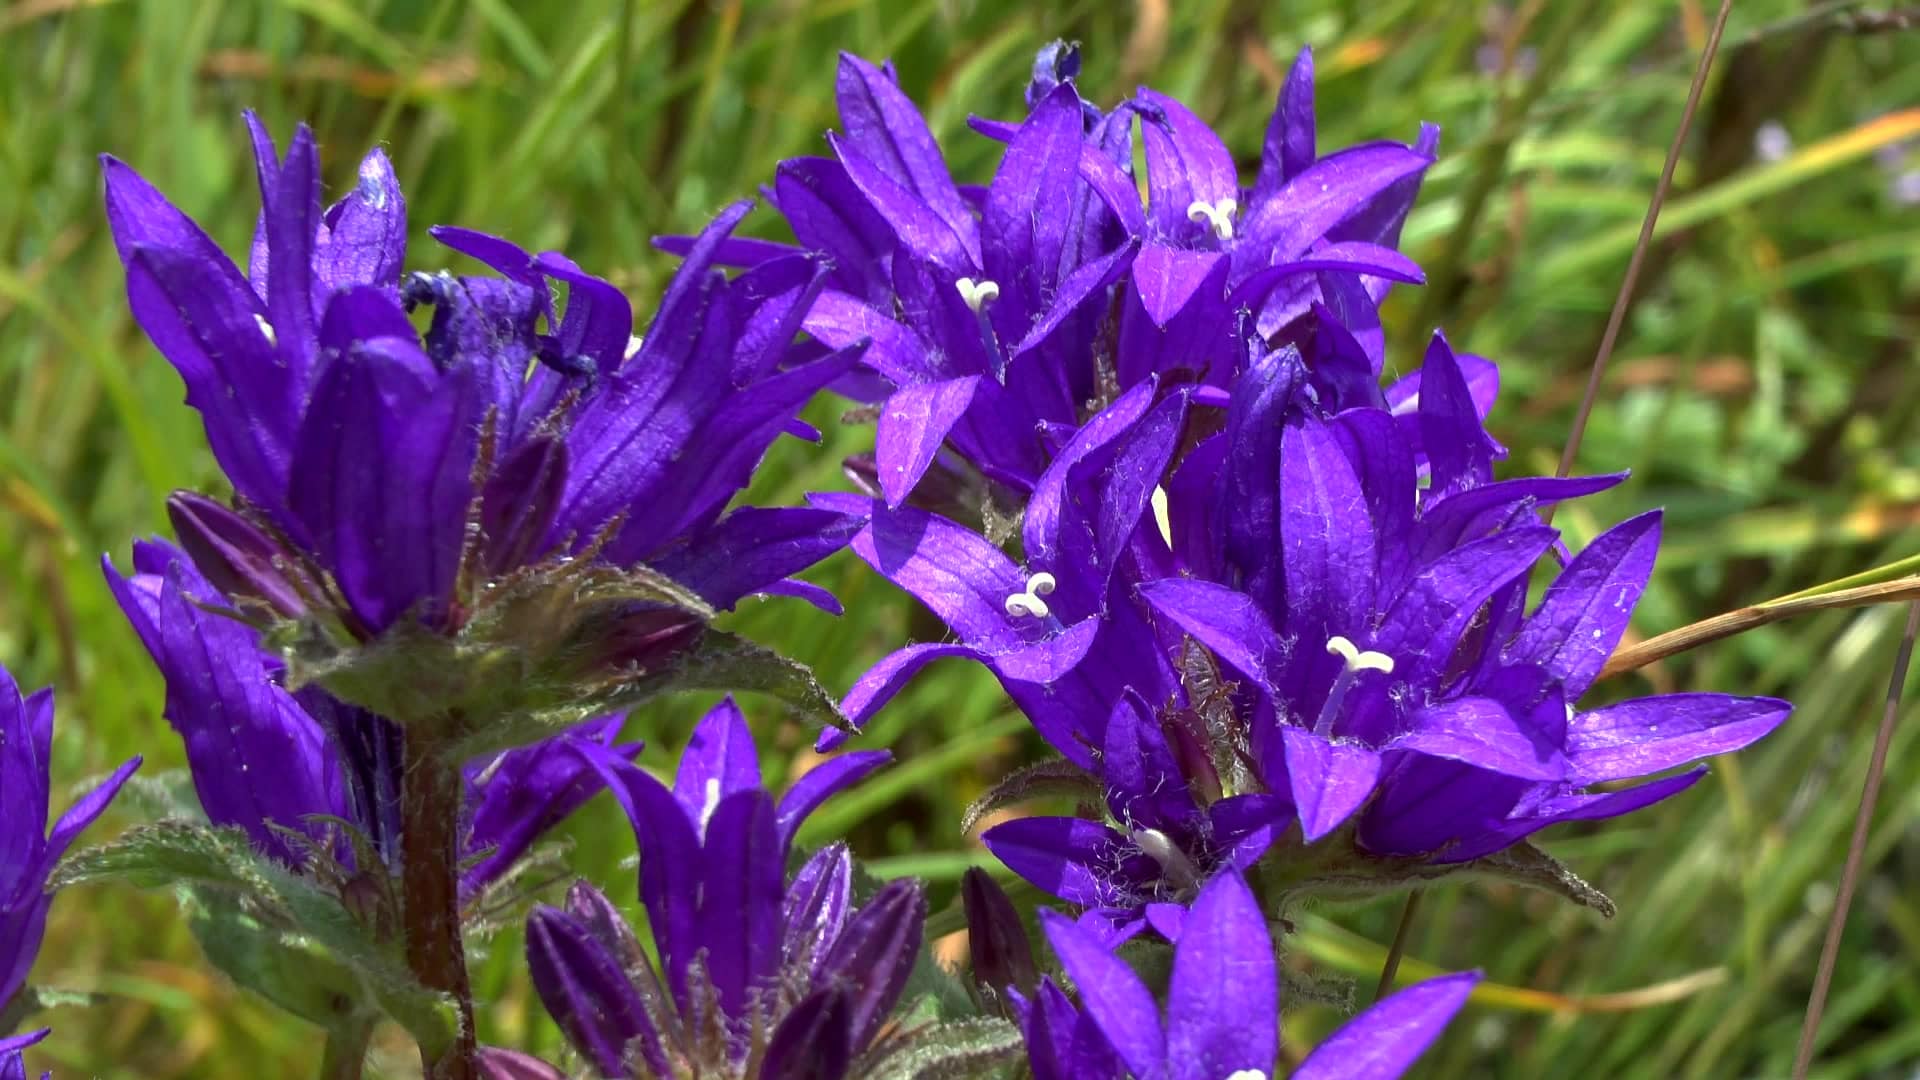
745, 951
1375, 611
360, 450
28, 853
995, 318
286, 767
1221, 1017
12, 1065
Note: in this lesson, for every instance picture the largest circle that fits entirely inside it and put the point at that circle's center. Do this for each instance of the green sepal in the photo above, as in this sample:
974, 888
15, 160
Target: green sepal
961, 1050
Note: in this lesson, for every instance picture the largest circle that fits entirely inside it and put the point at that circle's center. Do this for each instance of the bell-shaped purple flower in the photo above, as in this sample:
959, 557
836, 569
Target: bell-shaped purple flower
360, 449
742, 948
28, 852
1221, 1017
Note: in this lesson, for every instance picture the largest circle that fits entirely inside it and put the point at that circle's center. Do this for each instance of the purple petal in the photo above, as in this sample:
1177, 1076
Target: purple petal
1073, 859
1423, 626
1586, 610
1186, 163
920, 228
1481, 732
753, 549
1329, 545
1570, 808
914, 423
1064, 1043
1111, 994
742, 887
518, 795
822, 782
1166, 279
1460, 453
816, 906
719, 761
1325, 194
1329, 780
1227, 622
499, 1063
1223, 1001
813, 1040
1288, 148
1646, 735
890, 675
366, 231
291, 205
888, 130
1383, 1042
1023, 229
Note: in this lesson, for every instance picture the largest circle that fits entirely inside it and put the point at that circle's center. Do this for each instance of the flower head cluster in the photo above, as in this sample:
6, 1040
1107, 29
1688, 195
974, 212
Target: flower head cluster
1223, 991
388, 476
995, 318
760, 974
1280, 601
28, 852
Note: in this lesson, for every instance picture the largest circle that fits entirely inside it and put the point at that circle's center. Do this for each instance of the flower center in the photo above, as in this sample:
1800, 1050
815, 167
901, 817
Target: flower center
1173, 862
977, 294
1217, 216
1028, 601
1357, 660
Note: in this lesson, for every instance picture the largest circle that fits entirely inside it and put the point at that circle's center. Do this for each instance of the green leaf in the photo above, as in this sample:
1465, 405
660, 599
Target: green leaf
221, 873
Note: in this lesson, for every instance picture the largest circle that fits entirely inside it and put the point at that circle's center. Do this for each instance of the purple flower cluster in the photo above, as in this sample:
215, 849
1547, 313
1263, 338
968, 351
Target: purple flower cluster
28, 852
761, 973
1262, 600
1134, 447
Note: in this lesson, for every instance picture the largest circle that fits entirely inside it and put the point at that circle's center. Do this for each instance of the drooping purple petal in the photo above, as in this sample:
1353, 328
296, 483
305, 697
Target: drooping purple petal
1643, 736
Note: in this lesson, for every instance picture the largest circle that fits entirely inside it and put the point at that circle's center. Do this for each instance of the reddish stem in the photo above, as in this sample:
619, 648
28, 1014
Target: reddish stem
430, 879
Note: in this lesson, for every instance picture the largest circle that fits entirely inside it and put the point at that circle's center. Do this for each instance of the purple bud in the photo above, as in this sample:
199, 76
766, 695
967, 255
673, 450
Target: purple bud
996, 941
501, 1064
876, 953
597, 913
816, 906
812, 1041
519, 501
236, 556
587, 992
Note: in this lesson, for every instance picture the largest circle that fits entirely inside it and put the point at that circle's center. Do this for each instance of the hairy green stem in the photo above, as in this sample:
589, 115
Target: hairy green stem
430, 878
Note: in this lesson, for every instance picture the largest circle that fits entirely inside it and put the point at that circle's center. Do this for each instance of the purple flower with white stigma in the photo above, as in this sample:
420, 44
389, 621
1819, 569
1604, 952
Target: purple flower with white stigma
1221, 1017
1161, 845
1374, 609
287, 767
476, 481
1032, 625
28, 852
757, 971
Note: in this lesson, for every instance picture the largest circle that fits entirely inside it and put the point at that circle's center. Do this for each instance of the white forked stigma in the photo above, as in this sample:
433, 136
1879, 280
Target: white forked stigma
1029, 602
266, 329
977, 294
1161, 517
633, 347
1218, 216
1358, 660
1247, 1074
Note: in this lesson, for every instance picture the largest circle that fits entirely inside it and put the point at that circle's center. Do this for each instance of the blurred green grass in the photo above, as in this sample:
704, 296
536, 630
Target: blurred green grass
1762, 393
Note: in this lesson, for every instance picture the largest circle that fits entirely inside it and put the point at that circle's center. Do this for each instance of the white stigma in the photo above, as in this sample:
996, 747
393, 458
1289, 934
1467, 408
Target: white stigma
1029, 602
633, 347
1247, 1074
1174, 863
977, 294
1218, 216
266, 329
1358, 660
1160, 515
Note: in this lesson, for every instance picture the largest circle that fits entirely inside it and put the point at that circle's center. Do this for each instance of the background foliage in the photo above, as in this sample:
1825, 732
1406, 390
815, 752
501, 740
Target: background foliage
1763, 393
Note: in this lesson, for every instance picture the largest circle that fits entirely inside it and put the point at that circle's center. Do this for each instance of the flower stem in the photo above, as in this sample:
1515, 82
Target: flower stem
430, 878
346, 1051
1399, 947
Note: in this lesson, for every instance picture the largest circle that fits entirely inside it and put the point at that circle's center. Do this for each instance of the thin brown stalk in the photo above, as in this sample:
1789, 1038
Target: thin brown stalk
1727, 624
1857, 849
1399, 947
1619, 314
